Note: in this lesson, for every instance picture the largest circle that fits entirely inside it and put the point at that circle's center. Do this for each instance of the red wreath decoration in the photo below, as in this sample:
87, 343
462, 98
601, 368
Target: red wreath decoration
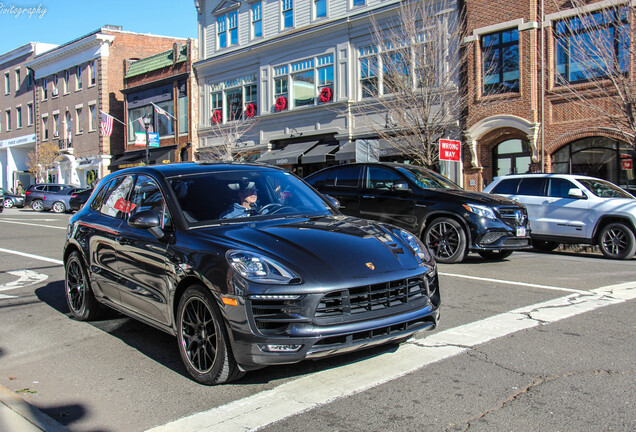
217, 116
325, 95
281, 103
250, 110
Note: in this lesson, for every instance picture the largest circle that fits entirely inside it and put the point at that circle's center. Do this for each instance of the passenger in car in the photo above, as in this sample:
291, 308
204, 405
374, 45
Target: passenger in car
246, 206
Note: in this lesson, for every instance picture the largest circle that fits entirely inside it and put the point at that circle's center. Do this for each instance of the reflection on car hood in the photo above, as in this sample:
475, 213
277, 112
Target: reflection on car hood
480, 197
335, 248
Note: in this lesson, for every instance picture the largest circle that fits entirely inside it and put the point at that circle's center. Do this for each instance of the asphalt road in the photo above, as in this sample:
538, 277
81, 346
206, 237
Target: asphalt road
533, 343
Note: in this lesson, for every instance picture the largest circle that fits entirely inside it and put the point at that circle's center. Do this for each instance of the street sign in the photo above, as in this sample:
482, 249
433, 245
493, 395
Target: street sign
140, 139
626, 164
449, 150
154, 139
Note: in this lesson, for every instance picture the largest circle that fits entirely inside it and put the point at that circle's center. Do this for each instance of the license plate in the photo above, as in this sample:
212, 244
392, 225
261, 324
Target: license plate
521, 231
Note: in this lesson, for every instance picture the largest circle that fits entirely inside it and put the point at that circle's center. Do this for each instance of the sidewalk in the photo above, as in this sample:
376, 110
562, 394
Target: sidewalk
16, 415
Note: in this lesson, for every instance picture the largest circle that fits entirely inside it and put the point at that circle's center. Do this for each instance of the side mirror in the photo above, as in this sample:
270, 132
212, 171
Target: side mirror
400, 186
145, 220
576, 193
334, 202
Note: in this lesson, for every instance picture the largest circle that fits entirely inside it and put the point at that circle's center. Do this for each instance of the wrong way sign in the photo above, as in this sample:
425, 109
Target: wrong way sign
449, 149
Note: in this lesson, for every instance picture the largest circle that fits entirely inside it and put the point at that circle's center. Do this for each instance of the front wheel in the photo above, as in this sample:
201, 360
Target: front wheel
617, 241
202, 337
37, 205
446, 238
491, 255
8, 203
79, 295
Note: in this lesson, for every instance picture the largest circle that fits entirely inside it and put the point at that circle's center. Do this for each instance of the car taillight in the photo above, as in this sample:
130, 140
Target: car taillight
43, 197
73, 196
27, 192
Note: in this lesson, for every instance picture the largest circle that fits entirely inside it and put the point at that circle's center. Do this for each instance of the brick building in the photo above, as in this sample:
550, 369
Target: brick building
164, 82
521, 72
74, 83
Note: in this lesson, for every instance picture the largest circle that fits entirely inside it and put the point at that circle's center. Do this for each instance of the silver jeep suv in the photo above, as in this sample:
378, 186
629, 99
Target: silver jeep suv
565, 208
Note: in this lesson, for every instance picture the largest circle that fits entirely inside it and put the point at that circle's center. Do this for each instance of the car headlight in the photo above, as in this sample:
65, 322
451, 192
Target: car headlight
415, 245
481, 211
257, 268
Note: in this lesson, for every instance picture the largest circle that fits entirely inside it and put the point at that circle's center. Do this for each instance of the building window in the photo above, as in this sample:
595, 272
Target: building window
67, 126
29, 78
45, 127
78, 78
67, 80
309, 82
511, 157
320, 8
17, 79
56, 125
55, 91
288, 13
592, 46
233, 100
163, 122
223, 23
7, 83
183, 114
45, 90
355, 3
79, 120
233, 24
92, 71
29, 114
8, 120
500, 54
18, 117
257, 20
92, 118
221, 35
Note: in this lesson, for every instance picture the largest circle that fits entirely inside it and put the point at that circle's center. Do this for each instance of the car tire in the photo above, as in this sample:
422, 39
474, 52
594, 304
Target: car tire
202, 337
446, 239
545, 245
58, 207
37, 205
8, 203
617, 241
491, 255
79, 295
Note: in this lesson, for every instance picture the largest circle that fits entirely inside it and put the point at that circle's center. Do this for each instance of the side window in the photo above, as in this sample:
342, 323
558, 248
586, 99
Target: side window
559, 188
116, 198
507, 187
381, 178
532, 186
345, 177
319, 180
98, 201
147, 196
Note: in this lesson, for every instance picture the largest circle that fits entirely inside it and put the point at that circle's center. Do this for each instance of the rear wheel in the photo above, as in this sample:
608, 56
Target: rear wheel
446, 238
8, 203
37, 205
495, 255
202, 337
544, 245
79, 295
59, 207
617, 241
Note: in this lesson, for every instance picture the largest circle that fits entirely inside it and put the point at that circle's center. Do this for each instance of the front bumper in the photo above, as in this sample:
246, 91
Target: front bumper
331, 322
496, 234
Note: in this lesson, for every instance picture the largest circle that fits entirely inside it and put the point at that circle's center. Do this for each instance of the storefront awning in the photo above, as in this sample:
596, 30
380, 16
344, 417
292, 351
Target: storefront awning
157, 156
288, 155
383, 148
347, 152
320, 153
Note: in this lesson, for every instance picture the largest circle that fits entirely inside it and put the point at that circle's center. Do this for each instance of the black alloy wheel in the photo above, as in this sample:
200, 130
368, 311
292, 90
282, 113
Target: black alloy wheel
545, 245
617, 241
492, 255
79, 295
446, 238
203, 343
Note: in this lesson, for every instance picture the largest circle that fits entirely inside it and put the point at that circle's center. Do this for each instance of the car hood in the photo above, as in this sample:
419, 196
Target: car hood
332, 249
479, 197
615, 206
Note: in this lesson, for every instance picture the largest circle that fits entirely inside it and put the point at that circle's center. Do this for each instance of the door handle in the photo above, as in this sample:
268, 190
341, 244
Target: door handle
123, 241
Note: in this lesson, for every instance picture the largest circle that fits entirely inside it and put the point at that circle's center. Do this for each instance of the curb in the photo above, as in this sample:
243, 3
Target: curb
18, 415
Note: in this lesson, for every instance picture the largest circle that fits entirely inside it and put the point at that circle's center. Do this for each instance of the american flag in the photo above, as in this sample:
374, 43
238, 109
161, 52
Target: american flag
143, 126
106, 124
162, 112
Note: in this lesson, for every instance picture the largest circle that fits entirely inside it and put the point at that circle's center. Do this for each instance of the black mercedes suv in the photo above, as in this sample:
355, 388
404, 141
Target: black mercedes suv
450, 220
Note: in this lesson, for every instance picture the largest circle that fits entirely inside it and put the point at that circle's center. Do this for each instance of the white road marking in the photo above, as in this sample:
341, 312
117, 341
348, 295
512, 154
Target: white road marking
6, 296
514, 283
25, 278
27, 255
262, 409
31, 224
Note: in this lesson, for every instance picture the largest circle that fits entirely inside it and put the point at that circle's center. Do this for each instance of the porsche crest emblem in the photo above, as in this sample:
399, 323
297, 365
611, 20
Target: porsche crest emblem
370, 265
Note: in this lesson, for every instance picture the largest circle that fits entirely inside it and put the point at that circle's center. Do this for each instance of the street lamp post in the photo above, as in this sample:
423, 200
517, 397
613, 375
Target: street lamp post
147, 120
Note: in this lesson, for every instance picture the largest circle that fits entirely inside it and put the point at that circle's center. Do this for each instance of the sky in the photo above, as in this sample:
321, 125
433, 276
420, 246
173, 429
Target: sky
60, 21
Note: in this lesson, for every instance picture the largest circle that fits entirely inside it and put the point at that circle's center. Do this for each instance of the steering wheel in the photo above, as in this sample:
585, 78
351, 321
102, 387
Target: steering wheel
275, 208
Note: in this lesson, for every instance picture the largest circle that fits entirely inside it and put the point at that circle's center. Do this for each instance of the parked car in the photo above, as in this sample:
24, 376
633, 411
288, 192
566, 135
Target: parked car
79, 198
451, 221
49, 196
565, 208
11, 199
1, 201
287, 278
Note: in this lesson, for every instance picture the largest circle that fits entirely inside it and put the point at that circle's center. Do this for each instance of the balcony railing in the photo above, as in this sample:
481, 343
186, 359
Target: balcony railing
65, 144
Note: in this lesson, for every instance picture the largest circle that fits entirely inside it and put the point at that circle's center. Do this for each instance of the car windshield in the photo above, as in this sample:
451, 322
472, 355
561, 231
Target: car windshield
224, 196
604, 189
427, 179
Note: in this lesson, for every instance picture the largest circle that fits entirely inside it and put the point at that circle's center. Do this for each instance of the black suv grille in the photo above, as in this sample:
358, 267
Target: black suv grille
509, 216
371, 297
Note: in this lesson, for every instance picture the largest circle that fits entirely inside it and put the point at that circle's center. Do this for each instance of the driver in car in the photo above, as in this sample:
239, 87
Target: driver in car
246, 207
